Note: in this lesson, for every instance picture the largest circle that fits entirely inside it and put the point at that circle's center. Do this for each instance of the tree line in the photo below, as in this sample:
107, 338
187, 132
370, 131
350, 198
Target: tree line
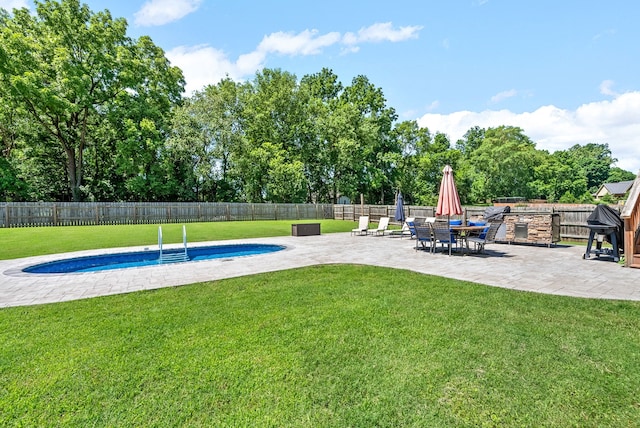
88, 113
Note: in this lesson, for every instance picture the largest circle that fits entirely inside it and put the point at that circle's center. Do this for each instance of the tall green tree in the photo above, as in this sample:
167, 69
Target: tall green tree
505, 163
557, 179
68, 66
471, 140
412, 141
13, 127
594, 162
373, 137
274, 126
320, 94
208, 135
274, 110
432, 160
617, 174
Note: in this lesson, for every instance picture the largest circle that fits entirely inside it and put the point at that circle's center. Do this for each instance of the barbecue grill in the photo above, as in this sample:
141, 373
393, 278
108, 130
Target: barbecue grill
604, 223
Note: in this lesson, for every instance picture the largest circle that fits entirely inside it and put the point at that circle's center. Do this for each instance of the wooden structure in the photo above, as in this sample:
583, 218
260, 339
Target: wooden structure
37, 214
631, 216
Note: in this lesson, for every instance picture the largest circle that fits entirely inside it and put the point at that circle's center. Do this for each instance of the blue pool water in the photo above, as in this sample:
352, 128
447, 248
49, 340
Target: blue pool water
148, 258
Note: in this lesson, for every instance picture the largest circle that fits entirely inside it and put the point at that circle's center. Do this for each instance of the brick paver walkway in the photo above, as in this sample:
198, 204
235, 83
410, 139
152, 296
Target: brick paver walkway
556, 270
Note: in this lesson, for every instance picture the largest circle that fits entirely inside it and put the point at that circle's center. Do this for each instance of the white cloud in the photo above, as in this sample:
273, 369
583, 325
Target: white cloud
609, 32
204, 65
381, 32
434, 105
307, 42
612, 122
9, 5
160, 12
248, 64
504, 95
349, 50
606, 88
311, 42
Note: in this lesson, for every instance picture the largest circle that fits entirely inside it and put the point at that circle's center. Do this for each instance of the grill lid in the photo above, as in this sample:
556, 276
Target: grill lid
606, 216
496, 213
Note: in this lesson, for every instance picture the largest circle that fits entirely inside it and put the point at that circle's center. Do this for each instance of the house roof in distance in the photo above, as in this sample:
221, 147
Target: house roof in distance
619, 188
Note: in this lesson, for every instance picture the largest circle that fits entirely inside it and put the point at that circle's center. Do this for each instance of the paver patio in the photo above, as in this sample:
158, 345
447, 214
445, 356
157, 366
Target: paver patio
556, 270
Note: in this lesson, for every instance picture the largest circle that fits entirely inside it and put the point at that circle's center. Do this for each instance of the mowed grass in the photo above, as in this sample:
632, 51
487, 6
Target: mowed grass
322, 346
24, 242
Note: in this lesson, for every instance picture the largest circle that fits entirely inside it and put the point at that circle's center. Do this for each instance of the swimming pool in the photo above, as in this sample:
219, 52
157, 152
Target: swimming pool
149, 258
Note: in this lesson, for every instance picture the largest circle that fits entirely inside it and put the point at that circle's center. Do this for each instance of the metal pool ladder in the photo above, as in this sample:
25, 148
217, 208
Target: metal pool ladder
173, 257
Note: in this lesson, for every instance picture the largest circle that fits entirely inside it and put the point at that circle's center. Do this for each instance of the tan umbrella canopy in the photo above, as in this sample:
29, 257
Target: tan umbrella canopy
448, 199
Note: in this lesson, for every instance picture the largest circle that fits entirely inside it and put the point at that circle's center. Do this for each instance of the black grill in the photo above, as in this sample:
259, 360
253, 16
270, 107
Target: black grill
605, 224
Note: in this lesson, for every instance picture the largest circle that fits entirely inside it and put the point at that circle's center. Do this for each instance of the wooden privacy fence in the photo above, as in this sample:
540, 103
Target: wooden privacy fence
30, 214
573, 219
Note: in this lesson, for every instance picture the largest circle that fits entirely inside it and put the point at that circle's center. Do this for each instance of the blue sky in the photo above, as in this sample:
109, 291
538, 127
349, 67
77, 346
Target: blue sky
567, 72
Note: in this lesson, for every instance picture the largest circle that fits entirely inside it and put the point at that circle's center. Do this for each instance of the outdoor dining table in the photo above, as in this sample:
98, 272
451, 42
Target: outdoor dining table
463, 232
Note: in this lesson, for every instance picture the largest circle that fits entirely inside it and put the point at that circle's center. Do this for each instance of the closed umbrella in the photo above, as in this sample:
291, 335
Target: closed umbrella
400, 209
448, 199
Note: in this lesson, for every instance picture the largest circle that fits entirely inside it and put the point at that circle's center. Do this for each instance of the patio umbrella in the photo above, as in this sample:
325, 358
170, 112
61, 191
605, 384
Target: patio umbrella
400, 209
448, 199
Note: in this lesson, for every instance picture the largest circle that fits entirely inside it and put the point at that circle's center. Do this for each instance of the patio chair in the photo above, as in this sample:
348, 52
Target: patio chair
405, 229
383, 225
488, 236
424, 237
363, 226
442, 234
412, 228
418, 221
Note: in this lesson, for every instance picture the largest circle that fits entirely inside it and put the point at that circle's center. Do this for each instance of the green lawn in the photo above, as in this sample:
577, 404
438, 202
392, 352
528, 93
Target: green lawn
323, 346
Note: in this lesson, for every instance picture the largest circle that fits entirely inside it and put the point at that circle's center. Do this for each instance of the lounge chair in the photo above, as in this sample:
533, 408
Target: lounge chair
363, 226
488, 236
405, 229
383, 225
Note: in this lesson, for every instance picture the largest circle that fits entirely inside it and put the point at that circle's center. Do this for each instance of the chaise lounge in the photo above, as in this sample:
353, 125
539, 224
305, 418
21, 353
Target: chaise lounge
363, 226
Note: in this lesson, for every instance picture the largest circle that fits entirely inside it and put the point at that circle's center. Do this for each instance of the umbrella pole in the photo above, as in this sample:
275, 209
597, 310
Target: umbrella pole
449, 229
